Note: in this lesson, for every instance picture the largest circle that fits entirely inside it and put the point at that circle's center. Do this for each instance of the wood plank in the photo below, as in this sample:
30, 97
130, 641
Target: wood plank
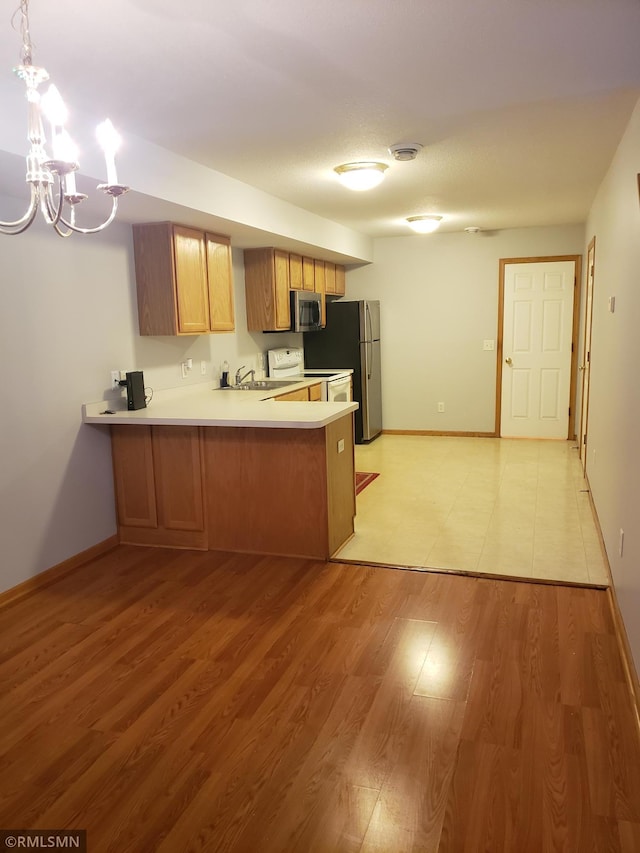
179, 700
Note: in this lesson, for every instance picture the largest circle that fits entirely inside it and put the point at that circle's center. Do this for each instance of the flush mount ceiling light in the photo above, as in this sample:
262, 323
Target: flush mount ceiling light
361, 176
52, 178
424, 224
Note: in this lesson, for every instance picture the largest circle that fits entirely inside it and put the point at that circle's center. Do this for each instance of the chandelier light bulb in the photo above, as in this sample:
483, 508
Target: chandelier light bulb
361, 176
109, 140
64, 148
54, 107
424, 224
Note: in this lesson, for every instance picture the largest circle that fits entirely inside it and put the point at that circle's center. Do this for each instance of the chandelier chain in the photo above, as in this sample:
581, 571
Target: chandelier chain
27, 47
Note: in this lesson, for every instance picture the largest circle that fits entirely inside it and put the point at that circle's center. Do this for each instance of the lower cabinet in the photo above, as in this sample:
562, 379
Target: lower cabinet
311, 392
159, 485
280, 491
302, 394
286, 492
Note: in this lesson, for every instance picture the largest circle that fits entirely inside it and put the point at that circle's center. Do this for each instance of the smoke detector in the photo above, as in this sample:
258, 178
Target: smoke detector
405, 150
473, 229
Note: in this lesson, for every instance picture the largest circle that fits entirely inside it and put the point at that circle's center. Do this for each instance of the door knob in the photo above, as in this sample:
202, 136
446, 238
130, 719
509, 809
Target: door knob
508, 361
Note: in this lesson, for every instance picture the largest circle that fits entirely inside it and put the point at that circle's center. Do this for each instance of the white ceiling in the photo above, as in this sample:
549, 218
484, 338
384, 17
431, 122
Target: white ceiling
519, 103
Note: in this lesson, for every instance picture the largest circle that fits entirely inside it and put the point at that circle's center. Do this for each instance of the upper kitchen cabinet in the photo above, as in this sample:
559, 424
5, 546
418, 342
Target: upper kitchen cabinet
267, 283
334, 279
321, 287
308, 275
295, 272
184, 280
220, 282
271, 274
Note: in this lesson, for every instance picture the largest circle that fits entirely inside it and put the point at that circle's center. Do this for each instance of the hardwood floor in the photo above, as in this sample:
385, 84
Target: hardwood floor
173, 701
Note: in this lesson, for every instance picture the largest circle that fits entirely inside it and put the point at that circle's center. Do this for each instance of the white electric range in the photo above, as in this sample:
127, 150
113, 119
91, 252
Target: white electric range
286, 363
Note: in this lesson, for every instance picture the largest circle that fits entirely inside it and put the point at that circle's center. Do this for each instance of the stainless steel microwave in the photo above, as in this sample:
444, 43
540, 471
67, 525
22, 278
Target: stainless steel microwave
306, 311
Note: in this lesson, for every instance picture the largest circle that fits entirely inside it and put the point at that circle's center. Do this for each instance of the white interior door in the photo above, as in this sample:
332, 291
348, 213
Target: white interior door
537, 335
585, 366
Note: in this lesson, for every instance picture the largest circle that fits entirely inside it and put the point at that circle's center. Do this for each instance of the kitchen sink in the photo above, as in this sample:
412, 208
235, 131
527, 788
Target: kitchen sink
260, 385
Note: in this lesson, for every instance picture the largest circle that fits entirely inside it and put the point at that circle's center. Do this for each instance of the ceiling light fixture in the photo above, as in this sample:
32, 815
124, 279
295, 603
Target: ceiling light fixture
424, 224
43, 171
361, 176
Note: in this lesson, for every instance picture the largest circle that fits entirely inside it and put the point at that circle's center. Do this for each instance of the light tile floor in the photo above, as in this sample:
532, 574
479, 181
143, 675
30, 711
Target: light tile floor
496, 506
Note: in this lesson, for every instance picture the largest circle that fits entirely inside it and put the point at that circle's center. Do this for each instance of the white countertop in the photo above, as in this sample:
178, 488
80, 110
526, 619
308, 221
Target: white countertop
201, 405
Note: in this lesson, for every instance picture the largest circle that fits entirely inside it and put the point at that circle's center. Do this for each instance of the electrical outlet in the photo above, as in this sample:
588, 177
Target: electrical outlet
185, 369
115, 378
203, 368
441, 407
488, 345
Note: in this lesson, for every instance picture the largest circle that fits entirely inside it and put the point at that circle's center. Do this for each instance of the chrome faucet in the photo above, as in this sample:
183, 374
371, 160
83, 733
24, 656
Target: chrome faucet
240, 378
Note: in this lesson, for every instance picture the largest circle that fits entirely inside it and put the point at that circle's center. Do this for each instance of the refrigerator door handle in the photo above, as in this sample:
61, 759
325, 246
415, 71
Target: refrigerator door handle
368, 332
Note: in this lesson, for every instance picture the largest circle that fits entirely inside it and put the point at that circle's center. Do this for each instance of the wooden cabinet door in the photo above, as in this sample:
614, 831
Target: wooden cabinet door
330, 277
308, 275
340, 280
133, 476
295, 272
315, 392
302, 395
281, 285
320, 287
191, 281
220, 283
176, 459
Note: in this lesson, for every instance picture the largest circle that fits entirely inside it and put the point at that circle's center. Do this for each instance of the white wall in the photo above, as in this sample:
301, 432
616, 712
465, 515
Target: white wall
65, 321
613, 461
439, 301
67, 318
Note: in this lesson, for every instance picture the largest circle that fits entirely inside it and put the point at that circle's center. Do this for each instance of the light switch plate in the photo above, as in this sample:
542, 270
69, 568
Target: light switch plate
488, 345
341, 445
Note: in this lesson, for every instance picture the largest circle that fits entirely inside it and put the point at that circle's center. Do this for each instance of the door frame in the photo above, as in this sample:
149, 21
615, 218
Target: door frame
542, 259
586, 353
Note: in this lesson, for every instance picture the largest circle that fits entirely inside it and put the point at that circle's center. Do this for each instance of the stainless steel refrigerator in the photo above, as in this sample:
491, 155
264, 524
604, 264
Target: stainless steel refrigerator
352, 339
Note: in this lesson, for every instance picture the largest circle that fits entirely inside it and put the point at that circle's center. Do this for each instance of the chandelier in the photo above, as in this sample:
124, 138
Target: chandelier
52, 179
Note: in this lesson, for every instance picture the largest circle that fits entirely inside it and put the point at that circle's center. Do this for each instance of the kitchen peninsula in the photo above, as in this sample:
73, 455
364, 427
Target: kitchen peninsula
233, 470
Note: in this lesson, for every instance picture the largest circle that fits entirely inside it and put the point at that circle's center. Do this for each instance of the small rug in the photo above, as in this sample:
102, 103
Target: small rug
363, 478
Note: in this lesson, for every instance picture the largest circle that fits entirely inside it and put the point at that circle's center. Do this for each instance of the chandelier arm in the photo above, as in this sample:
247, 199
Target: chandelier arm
60, 232
20, 225
98, 228
52, 210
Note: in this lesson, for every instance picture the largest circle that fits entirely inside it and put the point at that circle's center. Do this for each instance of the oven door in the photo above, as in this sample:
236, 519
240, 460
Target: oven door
339, 390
